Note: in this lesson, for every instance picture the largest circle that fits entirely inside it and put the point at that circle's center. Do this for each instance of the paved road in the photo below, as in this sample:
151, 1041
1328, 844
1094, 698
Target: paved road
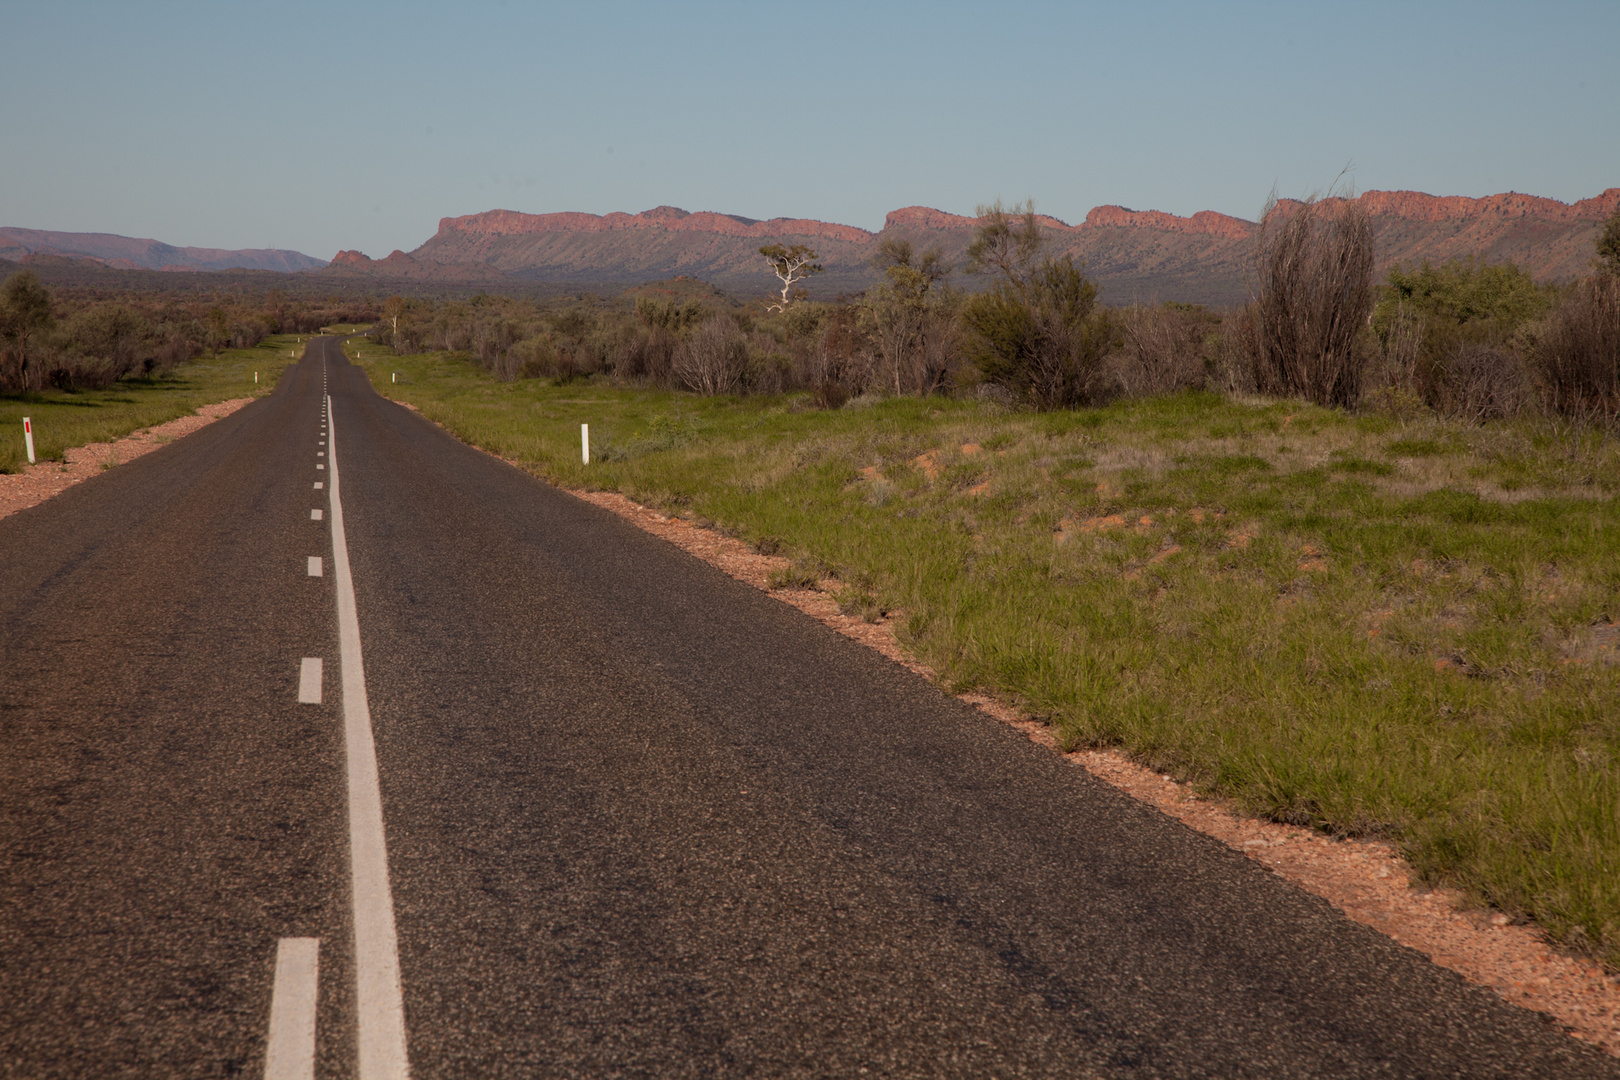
641, 820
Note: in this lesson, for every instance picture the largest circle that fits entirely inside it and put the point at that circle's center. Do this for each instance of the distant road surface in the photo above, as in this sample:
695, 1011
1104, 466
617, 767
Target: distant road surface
625, 816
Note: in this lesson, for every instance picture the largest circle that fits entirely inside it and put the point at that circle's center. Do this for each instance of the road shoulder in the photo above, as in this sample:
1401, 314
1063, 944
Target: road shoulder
1366, 880
36, 483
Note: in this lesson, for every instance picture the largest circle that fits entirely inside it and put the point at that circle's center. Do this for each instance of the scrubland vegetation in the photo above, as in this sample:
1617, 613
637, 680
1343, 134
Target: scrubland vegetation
1464, 340
88, 365
89, 339
66, 419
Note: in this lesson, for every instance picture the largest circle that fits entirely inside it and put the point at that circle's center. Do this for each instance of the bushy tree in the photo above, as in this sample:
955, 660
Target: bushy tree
112, 338
1451, 332
25, 310
1037, 330
671, 316
1608, 245
912, 314
1462, 292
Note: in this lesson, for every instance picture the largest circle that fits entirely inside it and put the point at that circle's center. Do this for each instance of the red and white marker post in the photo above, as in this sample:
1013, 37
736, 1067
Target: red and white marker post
28, 438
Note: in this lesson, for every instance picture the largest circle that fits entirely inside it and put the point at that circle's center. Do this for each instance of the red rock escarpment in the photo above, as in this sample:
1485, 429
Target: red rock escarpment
512, 223
1134, 255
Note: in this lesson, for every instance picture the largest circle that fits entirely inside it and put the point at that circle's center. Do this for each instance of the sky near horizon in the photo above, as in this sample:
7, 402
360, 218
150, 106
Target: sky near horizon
319, 127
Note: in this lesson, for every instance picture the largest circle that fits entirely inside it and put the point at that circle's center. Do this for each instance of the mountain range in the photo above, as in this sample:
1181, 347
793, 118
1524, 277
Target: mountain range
129, 253
1134, 255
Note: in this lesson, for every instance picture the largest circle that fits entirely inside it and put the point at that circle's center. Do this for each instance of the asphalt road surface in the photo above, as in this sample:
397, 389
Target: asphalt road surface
591, 808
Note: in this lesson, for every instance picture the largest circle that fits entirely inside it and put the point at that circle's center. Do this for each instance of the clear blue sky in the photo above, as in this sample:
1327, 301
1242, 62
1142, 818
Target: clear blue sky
322, 126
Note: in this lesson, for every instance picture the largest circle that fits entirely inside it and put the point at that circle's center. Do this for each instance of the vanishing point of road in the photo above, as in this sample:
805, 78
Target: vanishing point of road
330, 746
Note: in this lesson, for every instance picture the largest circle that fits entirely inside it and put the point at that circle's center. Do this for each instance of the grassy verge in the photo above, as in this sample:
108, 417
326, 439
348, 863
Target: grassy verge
66, 419
1374, 627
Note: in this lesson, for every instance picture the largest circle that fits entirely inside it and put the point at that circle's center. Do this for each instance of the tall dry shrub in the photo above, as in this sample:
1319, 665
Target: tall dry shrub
1579, 352
1477, 381
842, 362
714, 359
1314, 267
1161, 349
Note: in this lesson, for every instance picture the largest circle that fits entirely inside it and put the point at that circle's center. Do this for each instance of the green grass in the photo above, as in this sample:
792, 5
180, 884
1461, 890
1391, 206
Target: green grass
1363, 625
63, 420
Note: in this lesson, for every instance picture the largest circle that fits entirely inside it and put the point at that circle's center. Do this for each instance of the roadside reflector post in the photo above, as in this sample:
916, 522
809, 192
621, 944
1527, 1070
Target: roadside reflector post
584, 444
255, 378
393, 376
28, 438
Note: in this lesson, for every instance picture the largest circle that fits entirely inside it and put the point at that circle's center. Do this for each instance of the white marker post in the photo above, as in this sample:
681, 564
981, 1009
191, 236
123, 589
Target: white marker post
393, 376
584, 444
28, 438
255, 378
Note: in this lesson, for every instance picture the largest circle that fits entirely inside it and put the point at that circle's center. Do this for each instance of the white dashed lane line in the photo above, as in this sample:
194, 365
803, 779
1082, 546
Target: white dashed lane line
309, 681
315, 515
319, 485
314, 566
290, 1052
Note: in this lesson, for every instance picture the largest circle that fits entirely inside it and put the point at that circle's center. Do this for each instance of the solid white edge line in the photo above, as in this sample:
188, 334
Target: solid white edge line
379, 999
309, 681
289, 1053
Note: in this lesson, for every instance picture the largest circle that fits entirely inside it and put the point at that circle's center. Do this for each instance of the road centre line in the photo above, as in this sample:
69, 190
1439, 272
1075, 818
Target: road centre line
379, 997
309, 681
290, 1050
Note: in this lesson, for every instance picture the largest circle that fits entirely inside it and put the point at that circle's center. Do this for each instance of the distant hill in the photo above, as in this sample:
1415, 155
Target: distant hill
1134, 255
129, 253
